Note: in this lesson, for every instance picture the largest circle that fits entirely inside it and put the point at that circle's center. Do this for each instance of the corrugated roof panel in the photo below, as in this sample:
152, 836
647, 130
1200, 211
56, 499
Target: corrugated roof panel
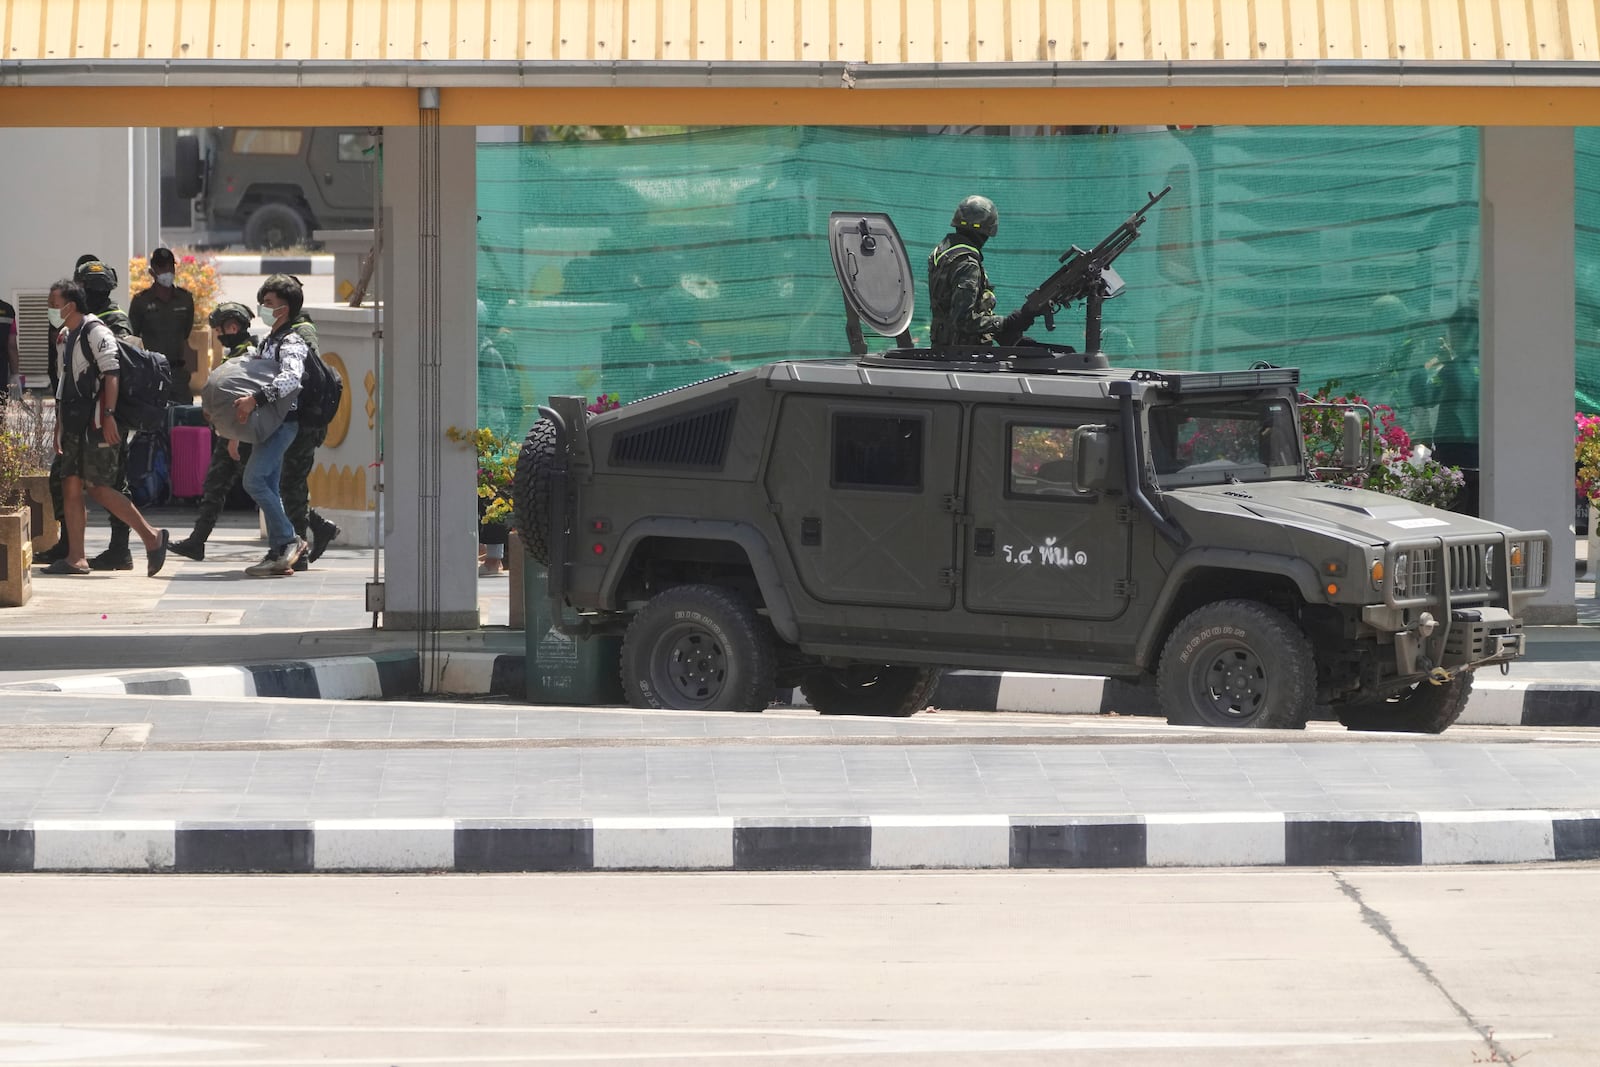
749, 31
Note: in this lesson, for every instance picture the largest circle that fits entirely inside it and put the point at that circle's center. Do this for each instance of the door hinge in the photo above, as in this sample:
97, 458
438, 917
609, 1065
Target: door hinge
950, 576
1125, 587
954, 504
1124, 514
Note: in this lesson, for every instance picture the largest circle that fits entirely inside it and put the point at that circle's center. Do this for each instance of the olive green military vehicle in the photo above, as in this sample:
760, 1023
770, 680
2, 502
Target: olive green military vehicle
853, 526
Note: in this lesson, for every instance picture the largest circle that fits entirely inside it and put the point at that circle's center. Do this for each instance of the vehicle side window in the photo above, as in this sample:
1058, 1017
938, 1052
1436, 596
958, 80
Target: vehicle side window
355, 147
877, 452
267, 142
1042, 462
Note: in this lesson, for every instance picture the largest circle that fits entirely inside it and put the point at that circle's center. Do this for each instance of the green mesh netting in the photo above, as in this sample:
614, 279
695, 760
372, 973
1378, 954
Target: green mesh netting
635, 266
1586, 263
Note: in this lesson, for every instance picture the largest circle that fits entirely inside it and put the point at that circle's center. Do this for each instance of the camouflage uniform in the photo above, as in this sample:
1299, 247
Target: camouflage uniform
960, 295
225, 471
294, 484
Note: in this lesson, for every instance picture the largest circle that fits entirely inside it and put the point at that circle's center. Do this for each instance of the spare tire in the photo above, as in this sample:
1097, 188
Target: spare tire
531, 489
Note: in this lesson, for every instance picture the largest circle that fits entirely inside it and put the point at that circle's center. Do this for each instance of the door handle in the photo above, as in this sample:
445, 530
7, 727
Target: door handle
983, 542
810, 531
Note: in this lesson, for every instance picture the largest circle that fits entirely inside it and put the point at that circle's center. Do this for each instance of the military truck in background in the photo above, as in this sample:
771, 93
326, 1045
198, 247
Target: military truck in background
265, 188
852, 526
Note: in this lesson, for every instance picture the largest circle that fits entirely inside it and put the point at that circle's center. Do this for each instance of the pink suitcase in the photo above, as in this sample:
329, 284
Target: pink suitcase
191, 459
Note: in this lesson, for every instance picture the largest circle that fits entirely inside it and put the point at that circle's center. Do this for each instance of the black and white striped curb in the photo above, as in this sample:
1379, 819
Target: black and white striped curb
838, 843
1492, 702
393, 675
300, 266
396, 675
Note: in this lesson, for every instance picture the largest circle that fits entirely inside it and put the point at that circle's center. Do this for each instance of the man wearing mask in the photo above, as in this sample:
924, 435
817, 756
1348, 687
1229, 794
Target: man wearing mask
163, 317
231, 321
295, 488
98, 282
88, 439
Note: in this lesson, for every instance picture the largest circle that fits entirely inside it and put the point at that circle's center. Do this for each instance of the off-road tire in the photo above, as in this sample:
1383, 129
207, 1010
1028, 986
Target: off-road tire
530, 490
275, 225
698, 648
1238, 663
1425, 708
891, 692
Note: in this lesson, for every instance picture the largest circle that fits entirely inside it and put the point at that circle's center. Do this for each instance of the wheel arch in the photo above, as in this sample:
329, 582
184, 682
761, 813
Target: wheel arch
1203, 575
747, 539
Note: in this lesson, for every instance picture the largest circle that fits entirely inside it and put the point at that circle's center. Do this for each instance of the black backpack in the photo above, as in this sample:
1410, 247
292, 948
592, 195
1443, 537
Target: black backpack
320, 391
144, 384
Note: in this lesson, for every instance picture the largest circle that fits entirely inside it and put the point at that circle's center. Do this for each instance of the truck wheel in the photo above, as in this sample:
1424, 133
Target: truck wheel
1425, 708
275, 225
698, 648
893, 692
530, 489
1238, 663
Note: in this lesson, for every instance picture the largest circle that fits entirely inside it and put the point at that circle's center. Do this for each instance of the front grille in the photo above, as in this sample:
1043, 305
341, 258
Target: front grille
1424, 577
1469, 570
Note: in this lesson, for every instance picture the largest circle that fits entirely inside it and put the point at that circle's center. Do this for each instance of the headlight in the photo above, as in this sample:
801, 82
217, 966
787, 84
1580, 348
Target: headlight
1402, 571
1488, 564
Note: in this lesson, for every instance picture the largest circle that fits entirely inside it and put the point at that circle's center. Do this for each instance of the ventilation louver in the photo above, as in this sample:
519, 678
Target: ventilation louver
697, 440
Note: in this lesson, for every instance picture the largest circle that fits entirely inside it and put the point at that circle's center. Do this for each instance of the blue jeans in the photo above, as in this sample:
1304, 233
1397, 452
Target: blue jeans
261, 476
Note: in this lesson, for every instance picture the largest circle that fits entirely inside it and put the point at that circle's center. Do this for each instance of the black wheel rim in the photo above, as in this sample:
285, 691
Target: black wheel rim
1229, 682
690, 666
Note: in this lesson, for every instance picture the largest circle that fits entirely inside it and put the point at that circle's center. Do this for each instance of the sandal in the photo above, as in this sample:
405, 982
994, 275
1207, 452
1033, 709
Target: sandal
61, 566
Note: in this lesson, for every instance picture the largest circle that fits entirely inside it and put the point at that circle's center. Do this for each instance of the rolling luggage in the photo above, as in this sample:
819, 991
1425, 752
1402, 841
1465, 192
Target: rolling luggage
191, 459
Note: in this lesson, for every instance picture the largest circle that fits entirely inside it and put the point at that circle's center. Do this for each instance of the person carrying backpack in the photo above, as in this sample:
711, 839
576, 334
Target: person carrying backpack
88, 438
280, 299
320, 390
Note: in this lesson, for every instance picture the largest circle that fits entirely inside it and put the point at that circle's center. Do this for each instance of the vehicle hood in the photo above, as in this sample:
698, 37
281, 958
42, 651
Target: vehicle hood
1357, 515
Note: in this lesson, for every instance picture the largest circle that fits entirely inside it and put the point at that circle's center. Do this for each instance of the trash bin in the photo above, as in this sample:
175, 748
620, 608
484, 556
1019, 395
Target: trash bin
561, 669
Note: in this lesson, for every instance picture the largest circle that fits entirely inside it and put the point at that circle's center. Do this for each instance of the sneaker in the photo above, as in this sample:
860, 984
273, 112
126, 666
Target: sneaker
112, 560
322, 535
156, 558
279, 562
190, 547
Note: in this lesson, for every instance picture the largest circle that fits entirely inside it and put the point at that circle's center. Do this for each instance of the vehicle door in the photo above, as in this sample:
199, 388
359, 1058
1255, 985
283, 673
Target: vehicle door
340, 162
1037, 544
864, 492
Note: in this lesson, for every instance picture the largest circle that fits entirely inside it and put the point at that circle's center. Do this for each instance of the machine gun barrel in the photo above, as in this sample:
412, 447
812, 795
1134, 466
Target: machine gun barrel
1087, 275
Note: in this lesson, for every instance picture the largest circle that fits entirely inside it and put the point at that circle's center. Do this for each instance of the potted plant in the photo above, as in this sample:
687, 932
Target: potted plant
33, 422
497, 465
16, 541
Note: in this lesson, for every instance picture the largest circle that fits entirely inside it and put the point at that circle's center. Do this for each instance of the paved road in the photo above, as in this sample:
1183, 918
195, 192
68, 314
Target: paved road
1443, 967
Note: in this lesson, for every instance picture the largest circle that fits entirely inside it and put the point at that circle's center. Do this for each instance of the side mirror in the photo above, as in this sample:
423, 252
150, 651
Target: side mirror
1353, 453
1091, 458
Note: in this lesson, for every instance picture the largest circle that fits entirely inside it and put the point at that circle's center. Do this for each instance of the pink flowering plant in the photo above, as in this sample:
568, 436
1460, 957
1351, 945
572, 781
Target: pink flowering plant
603, 403
1586, 453
1401, 467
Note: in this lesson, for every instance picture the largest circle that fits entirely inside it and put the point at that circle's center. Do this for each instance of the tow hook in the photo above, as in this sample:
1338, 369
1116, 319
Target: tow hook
1439, 676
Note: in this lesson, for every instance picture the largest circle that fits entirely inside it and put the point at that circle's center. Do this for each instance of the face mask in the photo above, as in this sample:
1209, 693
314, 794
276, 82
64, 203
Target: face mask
57, 316
269, 315
165, 279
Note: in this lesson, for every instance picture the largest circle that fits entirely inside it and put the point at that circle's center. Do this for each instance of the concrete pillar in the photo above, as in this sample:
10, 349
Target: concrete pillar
1527, 373
430, 482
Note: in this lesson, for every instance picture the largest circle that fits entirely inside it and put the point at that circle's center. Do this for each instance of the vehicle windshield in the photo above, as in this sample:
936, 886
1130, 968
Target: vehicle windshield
1216, 440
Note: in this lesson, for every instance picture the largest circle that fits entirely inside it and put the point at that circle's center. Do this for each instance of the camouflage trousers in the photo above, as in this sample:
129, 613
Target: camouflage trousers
294, 485
223, 474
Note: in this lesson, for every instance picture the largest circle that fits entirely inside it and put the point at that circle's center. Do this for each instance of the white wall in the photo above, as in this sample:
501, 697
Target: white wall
73, 191
1525, 431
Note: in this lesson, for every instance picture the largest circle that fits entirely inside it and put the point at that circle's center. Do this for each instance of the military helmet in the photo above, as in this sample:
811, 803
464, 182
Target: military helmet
976, 214
95, 276
231, 310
